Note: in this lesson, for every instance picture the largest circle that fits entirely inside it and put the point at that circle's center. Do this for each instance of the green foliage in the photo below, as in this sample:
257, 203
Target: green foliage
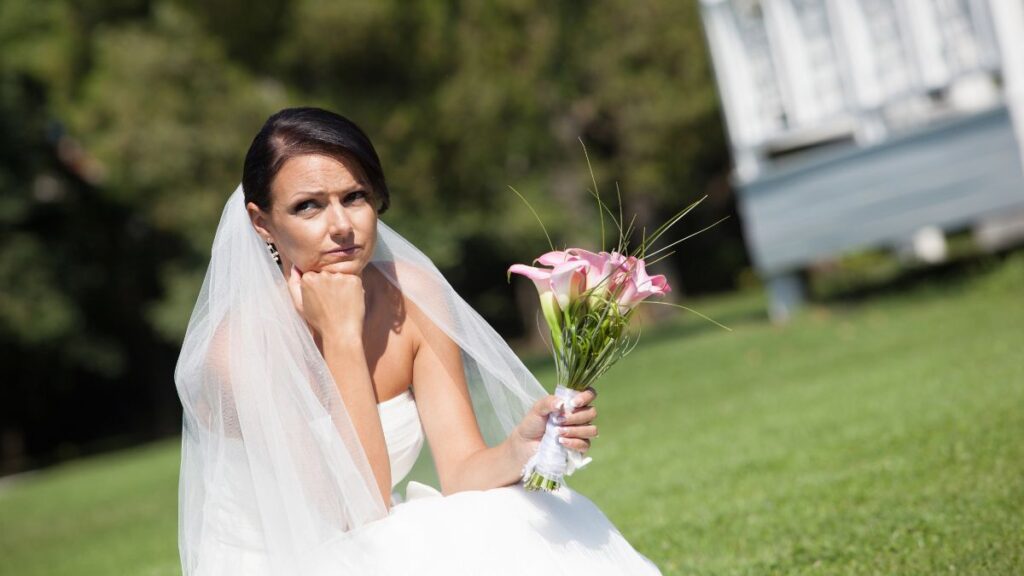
170, 117
39, 40
171, 143
32, 306
34, 309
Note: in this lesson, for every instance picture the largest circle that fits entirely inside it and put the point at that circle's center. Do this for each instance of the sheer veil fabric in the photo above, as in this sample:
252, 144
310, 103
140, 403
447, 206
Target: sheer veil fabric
262, 409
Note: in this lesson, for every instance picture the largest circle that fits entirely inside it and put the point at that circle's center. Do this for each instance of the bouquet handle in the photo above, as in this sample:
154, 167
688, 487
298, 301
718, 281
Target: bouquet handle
547, 469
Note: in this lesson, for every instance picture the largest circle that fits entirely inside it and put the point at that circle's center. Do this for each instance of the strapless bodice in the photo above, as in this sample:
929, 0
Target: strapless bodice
403, 433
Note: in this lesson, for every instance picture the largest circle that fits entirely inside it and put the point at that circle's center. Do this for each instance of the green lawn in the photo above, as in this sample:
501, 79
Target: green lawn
882, 437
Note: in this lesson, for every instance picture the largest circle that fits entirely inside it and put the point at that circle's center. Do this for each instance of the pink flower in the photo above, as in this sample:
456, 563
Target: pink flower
600, 271
568, 279
540, 276
605, 275
565, 281
557, 288
553, 258
598, 268
636, 286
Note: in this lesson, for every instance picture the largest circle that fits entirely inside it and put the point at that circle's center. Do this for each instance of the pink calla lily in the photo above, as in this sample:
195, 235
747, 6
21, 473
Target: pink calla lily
541, 276
568, 281
639, 286
565, 281
548, 303
553, 258
600, 268
606, 275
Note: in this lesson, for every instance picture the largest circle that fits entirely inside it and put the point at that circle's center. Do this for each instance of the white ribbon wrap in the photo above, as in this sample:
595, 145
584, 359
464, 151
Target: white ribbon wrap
553, 460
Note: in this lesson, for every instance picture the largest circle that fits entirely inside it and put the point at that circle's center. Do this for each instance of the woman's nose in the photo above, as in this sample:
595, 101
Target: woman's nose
339, 224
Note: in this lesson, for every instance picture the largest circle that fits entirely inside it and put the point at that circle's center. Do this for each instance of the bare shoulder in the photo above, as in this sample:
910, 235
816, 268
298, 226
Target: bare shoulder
403, 285
392, 306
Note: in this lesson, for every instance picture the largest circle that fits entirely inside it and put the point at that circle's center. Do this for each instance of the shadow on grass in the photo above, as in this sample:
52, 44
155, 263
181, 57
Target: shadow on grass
939, 279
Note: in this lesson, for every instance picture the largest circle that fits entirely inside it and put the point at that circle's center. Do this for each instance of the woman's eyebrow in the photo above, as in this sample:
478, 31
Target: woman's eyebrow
320, 191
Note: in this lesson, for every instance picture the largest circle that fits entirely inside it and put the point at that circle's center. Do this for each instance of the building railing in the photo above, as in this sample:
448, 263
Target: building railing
797, 73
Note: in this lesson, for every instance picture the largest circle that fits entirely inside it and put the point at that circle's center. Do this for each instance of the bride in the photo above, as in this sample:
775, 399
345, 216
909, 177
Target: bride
323, 352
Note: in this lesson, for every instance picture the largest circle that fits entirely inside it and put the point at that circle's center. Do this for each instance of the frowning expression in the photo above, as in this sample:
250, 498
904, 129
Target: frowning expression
322, 215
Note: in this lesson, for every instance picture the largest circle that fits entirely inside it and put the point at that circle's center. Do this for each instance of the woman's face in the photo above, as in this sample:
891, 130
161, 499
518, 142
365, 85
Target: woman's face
322, 216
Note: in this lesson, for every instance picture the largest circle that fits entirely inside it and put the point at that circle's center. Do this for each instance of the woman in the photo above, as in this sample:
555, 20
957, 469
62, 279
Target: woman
313, 371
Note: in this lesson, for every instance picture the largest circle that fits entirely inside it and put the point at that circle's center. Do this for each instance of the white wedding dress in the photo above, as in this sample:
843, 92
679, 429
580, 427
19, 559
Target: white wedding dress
500, 531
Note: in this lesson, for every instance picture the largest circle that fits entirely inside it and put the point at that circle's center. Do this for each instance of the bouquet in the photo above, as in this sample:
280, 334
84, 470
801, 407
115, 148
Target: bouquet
587, 300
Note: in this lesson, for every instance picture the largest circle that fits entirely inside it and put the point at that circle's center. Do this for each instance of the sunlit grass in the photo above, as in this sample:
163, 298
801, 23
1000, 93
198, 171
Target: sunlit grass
881, 438
106, 515
874, 438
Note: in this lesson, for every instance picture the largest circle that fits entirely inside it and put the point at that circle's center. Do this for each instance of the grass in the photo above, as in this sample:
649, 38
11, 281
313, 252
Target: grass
875, 437
105, 515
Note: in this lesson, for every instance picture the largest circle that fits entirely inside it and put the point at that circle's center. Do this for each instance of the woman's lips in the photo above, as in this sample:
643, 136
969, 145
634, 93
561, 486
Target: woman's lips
347, 251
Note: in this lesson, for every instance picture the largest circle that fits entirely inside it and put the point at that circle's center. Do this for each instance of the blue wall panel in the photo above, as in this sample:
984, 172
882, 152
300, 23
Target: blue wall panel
825, 203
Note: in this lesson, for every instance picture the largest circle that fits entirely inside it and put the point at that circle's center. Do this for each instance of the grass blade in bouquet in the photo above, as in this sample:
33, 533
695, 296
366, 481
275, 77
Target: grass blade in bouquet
587, 300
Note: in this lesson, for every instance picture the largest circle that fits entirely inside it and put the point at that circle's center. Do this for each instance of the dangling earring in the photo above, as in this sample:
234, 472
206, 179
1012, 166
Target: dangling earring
273, 252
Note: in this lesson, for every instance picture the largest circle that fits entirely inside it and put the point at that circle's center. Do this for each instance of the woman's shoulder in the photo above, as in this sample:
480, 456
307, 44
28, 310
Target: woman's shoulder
397, 308
424, 298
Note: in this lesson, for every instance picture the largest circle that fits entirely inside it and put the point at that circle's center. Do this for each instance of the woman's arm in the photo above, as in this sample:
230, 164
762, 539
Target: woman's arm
334, 306
463, 460
347, 362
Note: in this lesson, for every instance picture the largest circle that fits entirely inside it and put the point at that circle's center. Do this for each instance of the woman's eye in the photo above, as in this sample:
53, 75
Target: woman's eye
357, 196
305, 205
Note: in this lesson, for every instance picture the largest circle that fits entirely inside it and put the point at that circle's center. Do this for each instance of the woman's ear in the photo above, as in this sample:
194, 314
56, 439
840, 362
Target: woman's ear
259, 221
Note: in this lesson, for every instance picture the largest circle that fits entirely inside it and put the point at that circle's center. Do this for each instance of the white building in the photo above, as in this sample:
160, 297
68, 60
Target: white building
861, 123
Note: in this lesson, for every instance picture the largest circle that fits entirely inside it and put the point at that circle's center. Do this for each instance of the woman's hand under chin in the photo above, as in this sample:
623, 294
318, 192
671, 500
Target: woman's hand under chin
332, 303
576, 425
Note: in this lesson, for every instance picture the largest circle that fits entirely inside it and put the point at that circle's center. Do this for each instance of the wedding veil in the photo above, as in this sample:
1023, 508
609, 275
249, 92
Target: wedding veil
262, 412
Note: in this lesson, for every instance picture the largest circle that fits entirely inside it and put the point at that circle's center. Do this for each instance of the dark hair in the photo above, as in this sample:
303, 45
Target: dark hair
298, 131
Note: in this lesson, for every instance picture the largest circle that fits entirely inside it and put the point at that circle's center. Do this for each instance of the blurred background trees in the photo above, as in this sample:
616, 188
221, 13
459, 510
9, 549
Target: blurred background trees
123, 126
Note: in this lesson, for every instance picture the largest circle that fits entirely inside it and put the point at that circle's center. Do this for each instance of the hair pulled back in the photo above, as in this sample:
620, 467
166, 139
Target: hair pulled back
299, 131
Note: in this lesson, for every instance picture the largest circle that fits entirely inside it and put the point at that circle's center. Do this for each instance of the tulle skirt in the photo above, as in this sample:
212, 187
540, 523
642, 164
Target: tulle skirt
500, 531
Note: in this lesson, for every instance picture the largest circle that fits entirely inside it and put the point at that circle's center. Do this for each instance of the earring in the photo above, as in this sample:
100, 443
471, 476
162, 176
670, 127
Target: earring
273, 252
